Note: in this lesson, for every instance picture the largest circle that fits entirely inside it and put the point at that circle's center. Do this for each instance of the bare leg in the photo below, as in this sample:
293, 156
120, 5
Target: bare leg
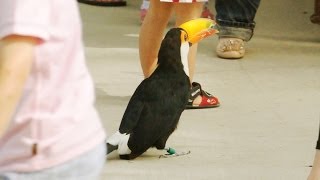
153, 27
315, 172
152, 31
151, 34
185, 12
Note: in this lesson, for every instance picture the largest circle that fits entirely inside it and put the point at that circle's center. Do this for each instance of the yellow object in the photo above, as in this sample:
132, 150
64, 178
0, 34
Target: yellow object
199, 29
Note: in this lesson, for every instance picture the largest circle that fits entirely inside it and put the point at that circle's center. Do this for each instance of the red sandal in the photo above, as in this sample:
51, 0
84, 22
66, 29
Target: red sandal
104, 2
208, 100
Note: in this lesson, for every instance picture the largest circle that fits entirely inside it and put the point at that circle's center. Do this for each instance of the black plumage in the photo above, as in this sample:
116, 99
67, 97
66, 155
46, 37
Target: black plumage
155, 107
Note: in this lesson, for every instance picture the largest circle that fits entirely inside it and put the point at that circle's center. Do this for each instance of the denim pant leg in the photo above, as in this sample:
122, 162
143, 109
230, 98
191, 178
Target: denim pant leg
236, 17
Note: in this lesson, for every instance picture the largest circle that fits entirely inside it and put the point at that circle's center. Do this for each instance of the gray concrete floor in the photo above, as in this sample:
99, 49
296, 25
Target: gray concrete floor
267, 125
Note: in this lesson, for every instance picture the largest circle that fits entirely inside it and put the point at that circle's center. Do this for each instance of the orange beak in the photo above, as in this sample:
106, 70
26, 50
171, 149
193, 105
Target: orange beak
199, 29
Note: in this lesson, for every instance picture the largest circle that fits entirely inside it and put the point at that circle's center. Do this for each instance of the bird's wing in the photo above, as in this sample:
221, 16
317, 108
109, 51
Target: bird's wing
132, 113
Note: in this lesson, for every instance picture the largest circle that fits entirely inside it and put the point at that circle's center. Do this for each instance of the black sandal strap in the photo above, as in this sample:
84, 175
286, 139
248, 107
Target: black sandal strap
195, 91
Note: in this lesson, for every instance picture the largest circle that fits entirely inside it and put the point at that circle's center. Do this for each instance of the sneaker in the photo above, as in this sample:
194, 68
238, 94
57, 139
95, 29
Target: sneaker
230, 48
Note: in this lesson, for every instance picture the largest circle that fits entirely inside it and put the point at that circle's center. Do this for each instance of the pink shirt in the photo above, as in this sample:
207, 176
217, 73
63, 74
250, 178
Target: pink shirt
56, 119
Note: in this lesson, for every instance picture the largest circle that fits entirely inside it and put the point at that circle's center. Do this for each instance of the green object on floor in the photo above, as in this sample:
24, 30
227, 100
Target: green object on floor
171, 151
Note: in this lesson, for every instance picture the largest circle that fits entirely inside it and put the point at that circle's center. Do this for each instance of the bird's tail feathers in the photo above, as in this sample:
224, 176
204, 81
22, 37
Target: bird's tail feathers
118, 141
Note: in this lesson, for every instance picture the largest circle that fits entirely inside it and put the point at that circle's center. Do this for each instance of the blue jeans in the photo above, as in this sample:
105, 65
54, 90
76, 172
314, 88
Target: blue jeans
236, 18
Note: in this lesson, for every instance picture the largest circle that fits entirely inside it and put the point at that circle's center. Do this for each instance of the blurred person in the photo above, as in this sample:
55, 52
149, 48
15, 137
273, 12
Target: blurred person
236, 23
151, 34
49, 127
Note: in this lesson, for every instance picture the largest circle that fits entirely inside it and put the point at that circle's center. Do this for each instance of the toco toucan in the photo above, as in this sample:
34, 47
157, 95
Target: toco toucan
155, 107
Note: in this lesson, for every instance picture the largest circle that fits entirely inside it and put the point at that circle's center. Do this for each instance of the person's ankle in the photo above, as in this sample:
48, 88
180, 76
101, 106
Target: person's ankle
197, 100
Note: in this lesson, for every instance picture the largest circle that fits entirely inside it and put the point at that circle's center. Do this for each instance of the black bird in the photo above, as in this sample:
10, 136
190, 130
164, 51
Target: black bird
154, 109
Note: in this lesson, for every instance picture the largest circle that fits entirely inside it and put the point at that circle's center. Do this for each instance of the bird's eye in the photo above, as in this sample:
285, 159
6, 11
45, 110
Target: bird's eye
184, 36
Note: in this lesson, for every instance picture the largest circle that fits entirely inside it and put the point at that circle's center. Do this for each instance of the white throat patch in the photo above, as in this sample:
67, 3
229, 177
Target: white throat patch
184, 51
